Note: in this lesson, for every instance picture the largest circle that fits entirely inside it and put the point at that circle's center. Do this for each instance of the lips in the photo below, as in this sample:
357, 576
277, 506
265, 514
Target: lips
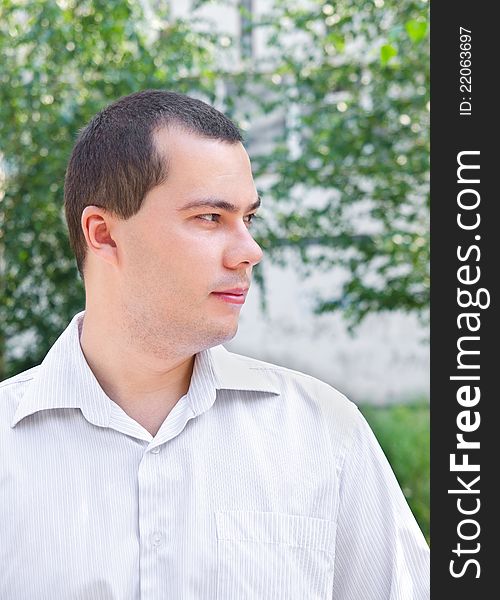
233, 296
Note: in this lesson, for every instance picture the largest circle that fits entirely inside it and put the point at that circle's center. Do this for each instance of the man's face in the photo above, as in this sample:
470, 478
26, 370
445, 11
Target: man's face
190, 241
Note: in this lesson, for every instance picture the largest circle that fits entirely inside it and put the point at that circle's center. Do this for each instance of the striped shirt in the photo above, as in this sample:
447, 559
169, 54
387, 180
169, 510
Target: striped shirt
261, 484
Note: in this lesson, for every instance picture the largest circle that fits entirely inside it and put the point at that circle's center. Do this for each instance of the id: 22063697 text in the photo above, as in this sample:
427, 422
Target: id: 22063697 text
465, 72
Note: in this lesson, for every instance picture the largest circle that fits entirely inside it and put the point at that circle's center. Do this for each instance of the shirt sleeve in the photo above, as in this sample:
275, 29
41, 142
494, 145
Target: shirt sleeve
381, 554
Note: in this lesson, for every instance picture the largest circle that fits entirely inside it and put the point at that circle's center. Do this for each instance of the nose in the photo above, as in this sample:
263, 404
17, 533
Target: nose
242, 250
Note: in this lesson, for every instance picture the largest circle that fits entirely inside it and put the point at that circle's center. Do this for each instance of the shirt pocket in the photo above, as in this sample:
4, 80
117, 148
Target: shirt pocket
274, 556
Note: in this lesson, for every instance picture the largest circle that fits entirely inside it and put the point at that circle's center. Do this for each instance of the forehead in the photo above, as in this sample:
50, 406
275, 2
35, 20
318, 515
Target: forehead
195, 159
199, 168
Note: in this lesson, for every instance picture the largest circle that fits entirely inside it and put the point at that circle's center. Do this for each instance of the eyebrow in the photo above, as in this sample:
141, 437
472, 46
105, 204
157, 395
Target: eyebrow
219, 204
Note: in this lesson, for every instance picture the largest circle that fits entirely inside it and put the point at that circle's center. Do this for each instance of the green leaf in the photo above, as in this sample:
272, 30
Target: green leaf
386, 53
416, 30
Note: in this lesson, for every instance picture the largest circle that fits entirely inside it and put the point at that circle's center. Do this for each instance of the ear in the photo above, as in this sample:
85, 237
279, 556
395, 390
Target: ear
97, 225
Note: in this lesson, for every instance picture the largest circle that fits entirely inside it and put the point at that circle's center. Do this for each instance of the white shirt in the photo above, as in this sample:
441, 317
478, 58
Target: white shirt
261, 484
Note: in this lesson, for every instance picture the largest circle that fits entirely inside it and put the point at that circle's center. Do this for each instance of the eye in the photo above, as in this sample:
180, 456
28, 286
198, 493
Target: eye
210, 217
250, 218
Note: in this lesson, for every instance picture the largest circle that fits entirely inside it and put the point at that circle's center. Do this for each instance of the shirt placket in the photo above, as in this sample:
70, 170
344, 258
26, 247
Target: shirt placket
152, 537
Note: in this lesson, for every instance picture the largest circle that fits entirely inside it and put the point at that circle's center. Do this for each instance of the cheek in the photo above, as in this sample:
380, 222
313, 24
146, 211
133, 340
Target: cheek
172, 261
196, 254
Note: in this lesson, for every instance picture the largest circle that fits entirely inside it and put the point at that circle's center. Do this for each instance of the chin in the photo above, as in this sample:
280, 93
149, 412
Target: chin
225, 334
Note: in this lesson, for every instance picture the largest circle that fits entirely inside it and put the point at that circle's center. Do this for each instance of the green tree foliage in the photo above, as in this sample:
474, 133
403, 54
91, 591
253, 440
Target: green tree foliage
351, 78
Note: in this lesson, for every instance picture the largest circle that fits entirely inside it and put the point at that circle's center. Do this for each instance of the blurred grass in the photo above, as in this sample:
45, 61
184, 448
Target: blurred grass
403, 432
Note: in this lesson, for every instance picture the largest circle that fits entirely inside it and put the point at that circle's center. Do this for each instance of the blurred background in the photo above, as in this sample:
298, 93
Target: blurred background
332, 99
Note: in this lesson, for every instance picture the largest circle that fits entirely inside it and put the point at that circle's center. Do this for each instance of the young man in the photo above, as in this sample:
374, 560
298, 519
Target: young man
143, 460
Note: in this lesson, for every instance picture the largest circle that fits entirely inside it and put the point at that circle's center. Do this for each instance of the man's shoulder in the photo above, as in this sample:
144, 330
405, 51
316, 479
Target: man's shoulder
265, 369
295, 384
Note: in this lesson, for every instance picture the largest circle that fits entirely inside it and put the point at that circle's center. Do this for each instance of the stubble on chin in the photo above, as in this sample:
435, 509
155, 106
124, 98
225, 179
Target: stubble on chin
161, 337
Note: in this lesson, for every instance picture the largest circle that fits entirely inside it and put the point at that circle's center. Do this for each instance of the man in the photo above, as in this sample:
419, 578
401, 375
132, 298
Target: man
143, 460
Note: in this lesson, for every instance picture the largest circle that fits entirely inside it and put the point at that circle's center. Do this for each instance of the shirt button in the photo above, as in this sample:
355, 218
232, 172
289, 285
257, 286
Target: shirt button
156, 538
155, 450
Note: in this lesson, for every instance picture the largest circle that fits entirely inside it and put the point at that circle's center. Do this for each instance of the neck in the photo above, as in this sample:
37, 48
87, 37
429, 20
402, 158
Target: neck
145, 386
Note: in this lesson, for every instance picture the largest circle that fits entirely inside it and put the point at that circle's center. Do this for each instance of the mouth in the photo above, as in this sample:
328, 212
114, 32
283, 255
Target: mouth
232, 296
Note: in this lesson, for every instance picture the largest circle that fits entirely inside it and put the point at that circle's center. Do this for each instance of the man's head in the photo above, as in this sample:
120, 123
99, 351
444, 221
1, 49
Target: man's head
115, 160
159, 195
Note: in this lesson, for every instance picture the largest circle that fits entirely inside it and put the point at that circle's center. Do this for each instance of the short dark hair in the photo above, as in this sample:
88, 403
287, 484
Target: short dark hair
115, 162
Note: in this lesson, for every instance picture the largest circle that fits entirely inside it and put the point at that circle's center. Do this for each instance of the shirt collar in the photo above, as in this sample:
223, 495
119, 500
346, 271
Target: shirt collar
236, 372
65, 380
